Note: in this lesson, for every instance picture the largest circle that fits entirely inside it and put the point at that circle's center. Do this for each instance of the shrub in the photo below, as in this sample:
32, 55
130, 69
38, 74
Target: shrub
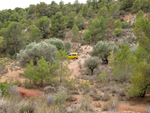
118, 32
103, 48
86, 103
67, 46
50, 100
28, 84
103, 77
61, 96
57, 42
105, 97
122, 13
125, 24
92, 63
36, 50
112, 105
38, 73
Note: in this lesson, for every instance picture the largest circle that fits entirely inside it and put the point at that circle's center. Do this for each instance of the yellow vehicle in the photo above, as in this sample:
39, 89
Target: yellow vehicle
73, 55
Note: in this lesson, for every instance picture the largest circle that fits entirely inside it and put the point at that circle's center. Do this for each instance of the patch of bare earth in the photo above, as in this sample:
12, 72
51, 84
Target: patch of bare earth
12, 76
137, 108
27, 93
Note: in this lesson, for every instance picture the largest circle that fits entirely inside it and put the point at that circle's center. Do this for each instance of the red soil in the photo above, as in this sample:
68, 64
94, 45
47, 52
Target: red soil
27, 93
127, 107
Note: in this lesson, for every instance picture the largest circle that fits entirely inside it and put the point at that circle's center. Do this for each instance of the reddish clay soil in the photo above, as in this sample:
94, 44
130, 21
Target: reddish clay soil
27, 93
137, 108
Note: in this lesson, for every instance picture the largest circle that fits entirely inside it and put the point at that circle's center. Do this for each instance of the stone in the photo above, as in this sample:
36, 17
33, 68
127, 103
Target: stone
69, 110
49, 89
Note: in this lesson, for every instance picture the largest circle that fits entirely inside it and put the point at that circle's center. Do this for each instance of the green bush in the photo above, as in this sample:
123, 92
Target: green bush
57, 42
36, 50
103, 48
39, 73
92, 63
125, 24
67, 46
103, 77
118, 32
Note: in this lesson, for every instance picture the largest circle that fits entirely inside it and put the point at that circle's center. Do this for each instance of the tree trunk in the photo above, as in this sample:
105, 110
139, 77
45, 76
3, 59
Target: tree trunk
92, 71
15, 52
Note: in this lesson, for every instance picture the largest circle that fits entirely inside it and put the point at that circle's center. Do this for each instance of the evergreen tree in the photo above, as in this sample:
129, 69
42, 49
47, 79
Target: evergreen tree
14, 17
88, 2
90, 12
43, 25
94, 4
43, 9
103, 3
114, 10
31, 9
65, 10
35, 34
145, 6
71, 19
140, 14
76, 5
58, 25
102, 49
87, 36
79, 21
105, 13
61, 4
118, 24
1, 25
127, 4
14, 38
98, 28
75, 32
136, 6
29, 22
84, 10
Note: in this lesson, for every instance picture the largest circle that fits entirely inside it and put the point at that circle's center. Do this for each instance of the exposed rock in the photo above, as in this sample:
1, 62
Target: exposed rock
49, 89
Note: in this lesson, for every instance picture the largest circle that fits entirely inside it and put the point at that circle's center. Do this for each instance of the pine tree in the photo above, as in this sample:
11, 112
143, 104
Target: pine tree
127, 4
61, 4
71, 19
84, 10
35, 34
87, 36
90, 12
105, 13
145, 5
79, 21
98, 28
114, 10
88, 2
58, 25
136, 6
118, 24
140, 14
43, 9
1, 25
43, 25
14, 38
75, 32
102, 4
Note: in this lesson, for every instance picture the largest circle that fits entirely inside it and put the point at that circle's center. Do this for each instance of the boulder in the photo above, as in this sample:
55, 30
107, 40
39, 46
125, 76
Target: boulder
49, 89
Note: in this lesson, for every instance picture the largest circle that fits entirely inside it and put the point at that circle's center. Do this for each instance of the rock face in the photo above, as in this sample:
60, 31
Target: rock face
49, 89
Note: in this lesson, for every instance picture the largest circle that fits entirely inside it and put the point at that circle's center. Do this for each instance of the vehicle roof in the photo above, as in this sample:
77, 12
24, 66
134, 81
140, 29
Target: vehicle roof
73, 53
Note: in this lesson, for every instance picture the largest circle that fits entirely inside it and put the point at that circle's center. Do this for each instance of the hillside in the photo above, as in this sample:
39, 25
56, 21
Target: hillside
111, 74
